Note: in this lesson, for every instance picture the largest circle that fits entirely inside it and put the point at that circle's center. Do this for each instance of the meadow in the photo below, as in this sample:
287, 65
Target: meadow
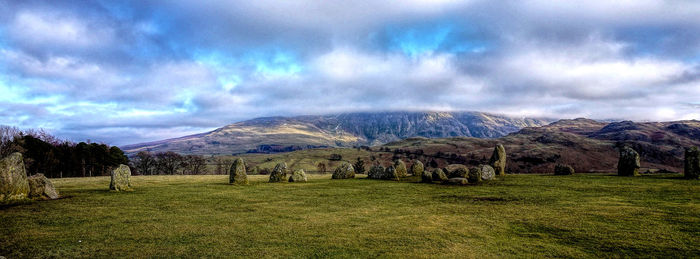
585, 215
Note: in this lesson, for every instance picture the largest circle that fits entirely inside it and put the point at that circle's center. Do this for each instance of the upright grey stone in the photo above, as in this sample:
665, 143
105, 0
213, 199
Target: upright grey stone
400, 167
426, 177
237, 174
344, 171
390, 173
692, 163
41, 187
299, 176
474, 175
498, 159
13, 178
376, 172
628, 165
121, 179
457, 171
439, 175
417, 168
487, 172
279, 174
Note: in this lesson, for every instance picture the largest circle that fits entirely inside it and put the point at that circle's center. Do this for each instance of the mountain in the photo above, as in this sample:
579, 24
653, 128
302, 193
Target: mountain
281, 134
587, 145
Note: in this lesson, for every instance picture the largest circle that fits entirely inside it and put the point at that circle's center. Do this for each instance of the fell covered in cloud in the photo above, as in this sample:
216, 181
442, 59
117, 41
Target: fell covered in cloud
131, 71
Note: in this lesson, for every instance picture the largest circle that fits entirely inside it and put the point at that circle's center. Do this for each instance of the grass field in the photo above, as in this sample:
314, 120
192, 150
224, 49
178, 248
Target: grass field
518, 216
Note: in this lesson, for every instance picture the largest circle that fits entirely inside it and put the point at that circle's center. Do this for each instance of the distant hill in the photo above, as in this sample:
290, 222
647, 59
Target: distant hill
281, 134
585, 144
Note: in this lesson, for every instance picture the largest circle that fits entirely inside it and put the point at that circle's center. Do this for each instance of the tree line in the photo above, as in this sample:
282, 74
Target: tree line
170, 163
46, 154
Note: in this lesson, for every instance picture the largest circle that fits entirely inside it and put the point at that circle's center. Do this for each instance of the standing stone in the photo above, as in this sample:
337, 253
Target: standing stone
439, 175
390, 173
457, 171
401, 170
487, 172
474, 175
692, 163
121, 179
41, 188
498, 160
417, 168
426, 177
237, 174
563, 169
344, 171
13, 178
279, 174
376, 172
298, 176
629, 162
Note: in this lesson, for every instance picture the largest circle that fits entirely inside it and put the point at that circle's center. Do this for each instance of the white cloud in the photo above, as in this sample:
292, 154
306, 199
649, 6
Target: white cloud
54, 29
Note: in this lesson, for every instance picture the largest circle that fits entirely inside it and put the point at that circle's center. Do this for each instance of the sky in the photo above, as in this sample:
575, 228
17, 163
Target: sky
123, 72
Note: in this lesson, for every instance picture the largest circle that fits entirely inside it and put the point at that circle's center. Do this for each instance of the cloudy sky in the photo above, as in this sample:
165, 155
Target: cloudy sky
122, 72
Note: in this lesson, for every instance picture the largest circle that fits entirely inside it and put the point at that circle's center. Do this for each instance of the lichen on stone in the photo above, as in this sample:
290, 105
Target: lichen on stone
237, 173
279, 173
13, 178
121, 179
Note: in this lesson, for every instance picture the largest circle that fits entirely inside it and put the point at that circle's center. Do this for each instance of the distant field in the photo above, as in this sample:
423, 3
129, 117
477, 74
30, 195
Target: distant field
518, 216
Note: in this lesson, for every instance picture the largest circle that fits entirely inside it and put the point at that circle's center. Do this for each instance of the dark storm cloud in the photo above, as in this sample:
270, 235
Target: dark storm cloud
130, 71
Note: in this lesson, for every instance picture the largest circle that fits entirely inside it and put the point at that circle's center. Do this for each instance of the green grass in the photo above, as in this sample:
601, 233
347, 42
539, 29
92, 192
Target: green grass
518, 216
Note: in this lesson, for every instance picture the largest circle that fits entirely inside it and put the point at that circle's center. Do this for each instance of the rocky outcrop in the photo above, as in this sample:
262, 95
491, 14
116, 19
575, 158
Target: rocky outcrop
41, 188
279, 173
13, 178
628, 165
120, 179
344, 171
237, 173
498, 159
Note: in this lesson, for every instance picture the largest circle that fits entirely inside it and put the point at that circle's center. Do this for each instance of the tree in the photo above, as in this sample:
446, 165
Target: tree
321, 167
359, 166
8, 140
168, 162
194, 164
222, 165
336, 157
145, 163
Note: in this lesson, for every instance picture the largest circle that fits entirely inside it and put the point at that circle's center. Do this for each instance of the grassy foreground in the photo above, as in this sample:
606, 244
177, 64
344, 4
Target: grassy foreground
519, 216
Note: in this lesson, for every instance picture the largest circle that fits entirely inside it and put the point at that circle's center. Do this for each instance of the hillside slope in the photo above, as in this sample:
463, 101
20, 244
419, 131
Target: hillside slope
280, 134
587, 145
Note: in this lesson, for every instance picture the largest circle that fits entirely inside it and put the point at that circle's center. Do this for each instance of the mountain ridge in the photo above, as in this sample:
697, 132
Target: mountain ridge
278, 133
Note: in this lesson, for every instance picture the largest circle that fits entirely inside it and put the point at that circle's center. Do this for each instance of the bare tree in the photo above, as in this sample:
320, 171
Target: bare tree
194, 164
222, 165
9, 137
145, 163
321, 167
168, 162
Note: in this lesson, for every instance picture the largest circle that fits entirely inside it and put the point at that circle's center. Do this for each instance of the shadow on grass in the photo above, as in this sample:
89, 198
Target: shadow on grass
590, 243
